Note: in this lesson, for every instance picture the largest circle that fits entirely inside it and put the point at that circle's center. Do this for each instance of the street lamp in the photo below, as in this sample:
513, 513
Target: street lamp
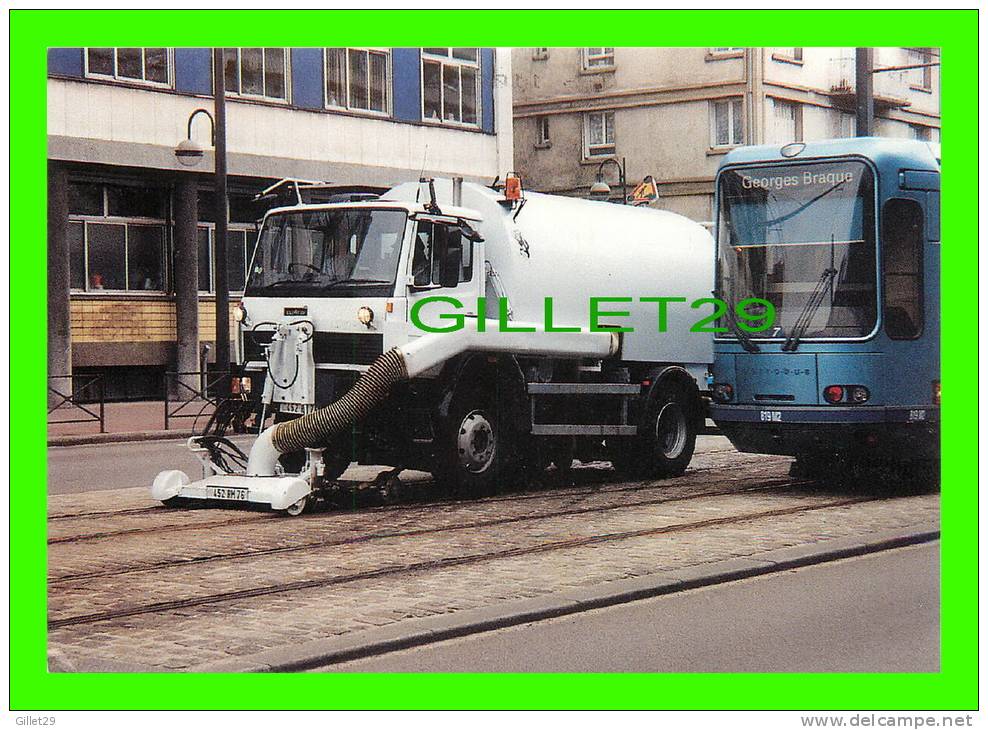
601, 190
188, 151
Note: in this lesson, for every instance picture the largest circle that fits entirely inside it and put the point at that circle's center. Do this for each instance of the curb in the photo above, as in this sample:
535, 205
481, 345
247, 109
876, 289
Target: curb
418, 632
122, 437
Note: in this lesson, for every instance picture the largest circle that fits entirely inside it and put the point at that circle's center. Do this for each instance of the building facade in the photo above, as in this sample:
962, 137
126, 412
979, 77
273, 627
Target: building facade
131, 229
674, 112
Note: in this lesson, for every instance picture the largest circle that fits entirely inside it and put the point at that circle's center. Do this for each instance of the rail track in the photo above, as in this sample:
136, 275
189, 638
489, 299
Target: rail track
778, 484
593, 476
455, 560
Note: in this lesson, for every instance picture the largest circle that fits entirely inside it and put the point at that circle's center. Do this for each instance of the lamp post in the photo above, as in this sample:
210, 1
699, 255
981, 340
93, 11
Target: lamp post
189, 153
601, 190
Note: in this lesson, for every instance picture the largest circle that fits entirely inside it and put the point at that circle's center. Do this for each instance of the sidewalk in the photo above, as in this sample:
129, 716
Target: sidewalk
135, 421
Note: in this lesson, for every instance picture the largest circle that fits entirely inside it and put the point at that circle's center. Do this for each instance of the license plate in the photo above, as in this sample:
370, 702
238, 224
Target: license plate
292, 408
237, 494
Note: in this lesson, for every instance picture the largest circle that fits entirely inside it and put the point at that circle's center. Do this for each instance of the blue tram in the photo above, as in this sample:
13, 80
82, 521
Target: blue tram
842, 239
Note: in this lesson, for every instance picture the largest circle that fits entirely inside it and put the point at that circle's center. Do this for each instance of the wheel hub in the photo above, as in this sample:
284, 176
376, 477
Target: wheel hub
476, 442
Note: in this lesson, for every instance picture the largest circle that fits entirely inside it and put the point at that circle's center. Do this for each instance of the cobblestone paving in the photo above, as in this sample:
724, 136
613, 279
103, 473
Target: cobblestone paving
338, 550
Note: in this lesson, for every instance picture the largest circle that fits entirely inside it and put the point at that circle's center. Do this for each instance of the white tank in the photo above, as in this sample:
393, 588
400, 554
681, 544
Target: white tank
573, 250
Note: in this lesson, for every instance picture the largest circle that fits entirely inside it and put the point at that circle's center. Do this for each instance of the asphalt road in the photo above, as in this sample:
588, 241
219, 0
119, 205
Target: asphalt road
875, 613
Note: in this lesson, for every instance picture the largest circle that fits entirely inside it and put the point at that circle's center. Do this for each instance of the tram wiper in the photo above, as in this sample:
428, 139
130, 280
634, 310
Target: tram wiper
743, 336
802, 322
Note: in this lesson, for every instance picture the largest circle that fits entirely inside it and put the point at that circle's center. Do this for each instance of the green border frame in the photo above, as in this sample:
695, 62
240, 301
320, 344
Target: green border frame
954, 687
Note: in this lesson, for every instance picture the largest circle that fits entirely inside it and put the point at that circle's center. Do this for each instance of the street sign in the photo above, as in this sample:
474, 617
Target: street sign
646, 192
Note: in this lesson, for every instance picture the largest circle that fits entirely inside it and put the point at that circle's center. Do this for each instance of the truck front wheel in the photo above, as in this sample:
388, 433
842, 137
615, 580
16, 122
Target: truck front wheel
474, 451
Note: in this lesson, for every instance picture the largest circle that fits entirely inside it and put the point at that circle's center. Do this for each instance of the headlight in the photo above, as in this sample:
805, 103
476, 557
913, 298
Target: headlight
365, 315
858, 394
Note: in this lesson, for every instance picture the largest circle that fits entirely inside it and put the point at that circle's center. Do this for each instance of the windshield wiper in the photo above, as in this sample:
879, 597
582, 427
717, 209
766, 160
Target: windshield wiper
802, 322
358, 281
743, 336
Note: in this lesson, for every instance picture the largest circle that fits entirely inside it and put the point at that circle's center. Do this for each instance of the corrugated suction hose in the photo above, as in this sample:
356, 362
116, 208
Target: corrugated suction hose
317, 428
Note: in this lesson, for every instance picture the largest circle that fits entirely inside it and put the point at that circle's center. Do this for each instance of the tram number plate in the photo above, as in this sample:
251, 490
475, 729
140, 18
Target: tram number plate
298, 408
237, 494
771, 416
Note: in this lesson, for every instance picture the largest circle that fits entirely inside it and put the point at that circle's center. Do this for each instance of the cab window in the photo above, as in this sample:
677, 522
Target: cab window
902, 268
439, 245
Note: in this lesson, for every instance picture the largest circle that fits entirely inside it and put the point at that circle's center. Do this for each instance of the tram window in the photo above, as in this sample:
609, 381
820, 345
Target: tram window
902, 247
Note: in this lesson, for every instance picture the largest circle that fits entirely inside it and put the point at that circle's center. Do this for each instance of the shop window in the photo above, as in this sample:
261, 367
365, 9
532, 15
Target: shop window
140, 65
451, 85
256, 72
239, 250
357, 79
107, 256
902, 268
117, 238
145, 254
77, 255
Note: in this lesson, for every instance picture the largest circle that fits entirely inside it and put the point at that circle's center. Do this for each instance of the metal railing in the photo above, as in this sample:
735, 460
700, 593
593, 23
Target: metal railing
190, 394
86, 399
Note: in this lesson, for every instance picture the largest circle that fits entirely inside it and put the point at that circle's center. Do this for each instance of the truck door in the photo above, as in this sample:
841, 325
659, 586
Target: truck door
446, 263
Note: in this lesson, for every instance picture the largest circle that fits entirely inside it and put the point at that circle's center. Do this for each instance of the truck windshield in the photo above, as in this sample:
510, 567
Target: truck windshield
327, 253
802, 236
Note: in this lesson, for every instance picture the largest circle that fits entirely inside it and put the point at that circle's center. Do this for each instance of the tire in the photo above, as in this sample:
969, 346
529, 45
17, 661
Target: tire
666, 436
476, 451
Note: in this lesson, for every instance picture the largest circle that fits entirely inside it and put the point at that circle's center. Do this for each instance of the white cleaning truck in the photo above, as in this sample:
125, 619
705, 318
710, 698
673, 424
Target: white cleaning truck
471, 331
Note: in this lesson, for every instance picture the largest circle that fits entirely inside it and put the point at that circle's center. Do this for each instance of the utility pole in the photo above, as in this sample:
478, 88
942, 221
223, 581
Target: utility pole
864, 61
220, 263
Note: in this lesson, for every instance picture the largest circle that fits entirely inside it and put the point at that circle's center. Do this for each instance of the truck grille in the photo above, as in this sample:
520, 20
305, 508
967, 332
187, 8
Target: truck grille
327, 347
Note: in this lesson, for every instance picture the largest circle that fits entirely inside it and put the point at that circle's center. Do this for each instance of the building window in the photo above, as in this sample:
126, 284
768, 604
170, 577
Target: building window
451, 85
140, 65
919, 132
598, 58
598, 134
921, 78
357, 78
726, 123
724, 52
241, 237
240, 242
540, 54
843, 125
256, 72
787, 121
117, 238
542, 132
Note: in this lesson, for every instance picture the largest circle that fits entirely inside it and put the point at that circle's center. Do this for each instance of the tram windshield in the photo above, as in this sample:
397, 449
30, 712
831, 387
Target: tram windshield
330, 252
802, 236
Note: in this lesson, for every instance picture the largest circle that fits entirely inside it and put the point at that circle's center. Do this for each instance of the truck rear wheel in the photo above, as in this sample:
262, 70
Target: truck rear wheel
666, 436
475, 447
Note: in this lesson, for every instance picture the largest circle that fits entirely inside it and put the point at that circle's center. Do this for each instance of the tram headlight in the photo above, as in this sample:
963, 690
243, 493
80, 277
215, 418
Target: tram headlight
723, 392
833, 393
858, 394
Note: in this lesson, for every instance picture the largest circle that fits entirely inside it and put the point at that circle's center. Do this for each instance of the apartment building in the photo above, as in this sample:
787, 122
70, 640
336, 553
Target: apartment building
674, 112
123, 208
